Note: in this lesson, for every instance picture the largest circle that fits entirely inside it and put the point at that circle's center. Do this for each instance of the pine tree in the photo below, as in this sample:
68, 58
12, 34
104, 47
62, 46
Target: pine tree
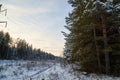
94, 25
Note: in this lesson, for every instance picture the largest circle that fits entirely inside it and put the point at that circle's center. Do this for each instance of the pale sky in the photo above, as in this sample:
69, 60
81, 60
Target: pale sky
39, 22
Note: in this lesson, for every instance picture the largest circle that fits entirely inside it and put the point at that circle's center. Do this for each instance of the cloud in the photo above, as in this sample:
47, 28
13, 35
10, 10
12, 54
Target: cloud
20, 11
28, 7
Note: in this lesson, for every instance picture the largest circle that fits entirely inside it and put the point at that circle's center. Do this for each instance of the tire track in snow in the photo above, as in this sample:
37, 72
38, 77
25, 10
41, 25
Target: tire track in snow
38, 73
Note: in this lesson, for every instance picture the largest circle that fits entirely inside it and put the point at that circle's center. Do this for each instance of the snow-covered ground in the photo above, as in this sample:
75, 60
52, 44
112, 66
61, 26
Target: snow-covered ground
44, 70
58, 72
20, 70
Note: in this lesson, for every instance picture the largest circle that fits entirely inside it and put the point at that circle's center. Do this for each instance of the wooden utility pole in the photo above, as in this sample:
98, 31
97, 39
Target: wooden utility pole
5, 10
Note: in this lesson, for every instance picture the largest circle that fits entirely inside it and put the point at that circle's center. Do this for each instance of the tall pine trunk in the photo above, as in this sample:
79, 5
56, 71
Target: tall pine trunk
97, 50
104, 31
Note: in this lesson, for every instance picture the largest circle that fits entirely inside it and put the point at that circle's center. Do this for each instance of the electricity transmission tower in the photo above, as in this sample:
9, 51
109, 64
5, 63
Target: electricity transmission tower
1, 11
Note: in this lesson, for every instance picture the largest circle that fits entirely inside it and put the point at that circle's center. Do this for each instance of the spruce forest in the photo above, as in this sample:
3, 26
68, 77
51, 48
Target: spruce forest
93, 41
20, 50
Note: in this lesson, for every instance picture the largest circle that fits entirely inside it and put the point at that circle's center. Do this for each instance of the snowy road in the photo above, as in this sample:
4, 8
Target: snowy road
37, 73
56, 72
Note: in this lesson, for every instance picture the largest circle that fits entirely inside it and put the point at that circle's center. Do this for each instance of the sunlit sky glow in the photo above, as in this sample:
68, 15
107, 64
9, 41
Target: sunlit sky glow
39, 22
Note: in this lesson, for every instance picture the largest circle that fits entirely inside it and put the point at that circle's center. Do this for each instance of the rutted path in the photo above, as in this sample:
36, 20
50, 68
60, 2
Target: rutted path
37, 74
55, 72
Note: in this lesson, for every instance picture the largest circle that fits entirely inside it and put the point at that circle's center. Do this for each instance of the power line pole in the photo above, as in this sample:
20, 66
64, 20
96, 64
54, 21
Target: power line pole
5, 10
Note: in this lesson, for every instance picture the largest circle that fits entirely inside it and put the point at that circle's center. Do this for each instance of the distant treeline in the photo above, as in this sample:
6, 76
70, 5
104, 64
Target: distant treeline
20, 49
